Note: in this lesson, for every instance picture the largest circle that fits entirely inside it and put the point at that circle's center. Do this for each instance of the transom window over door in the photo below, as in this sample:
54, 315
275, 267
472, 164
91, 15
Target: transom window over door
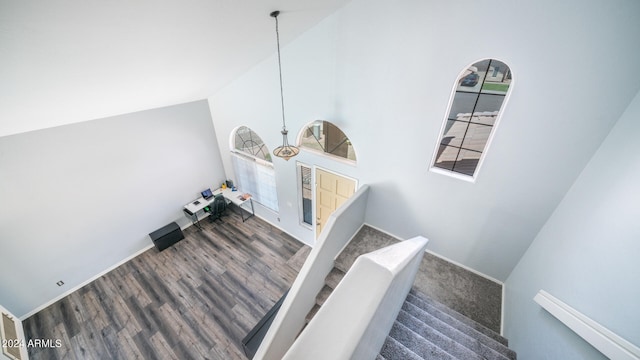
324, 136
478, 101
252, 165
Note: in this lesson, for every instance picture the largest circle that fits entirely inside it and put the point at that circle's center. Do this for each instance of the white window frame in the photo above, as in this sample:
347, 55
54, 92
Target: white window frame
262, 187
301, 221
324, 153
458, 175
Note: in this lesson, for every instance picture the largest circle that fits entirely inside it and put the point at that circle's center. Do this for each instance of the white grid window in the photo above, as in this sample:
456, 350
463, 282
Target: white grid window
478, 101
325, 137
252, 165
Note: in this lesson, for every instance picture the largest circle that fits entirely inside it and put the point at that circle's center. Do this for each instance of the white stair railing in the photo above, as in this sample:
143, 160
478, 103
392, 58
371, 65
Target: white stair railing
341, 227
607, 342
355, 320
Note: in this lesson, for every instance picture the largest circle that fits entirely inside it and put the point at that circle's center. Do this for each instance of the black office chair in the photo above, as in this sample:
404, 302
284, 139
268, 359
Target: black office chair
218, 208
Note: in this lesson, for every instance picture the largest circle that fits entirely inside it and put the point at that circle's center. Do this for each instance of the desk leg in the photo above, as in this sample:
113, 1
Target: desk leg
253, 212
191, 216
197, 222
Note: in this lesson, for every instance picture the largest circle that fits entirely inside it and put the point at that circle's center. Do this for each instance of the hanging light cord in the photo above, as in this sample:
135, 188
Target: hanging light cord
284, 126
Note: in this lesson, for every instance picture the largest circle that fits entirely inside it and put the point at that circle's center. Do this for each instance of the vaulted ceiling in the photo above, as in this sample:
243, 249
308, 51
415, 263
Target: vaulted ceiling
69, 61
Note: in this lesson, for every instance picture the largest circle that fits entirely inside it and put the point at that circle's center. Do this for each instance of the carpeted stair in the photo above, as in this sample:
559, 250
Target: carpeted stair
426, 329
365, 241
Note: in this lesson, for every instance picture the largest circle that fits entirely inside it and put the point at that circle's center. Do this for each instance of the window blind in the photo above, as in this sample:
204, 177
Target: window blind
257, 179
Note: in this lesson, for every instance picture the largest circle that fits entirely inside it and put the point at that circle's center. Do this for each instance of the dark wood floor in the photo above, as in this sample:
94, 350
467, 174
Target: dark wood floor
195, 300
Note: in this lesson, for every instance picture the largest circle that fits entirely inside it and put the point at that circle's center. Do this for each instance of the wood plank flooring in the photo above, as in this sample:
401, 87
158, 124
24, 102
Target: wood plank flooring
195, 300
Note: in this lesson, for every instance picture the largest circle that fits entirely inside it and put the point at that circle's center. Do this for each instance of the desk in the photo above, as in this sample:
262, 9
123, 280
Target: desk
232, 197
195, 206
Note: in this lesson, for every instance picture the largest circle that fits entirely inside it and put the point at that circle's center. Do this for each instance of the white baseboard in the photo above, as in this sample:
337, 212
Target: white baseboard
467, 268
277, 226
502, 311
444, 258
384, 232
104, 272
70, 291
502, 286
481, 275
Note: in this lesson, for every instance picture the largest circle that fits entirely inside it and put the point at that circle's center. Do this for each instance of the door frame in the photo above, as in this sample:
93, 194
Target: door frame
315, 169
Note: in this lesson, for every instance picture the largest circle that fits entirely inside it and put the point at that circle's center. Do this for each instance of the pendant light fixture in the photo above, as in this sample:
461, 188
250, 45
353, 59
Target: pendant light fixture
285, 151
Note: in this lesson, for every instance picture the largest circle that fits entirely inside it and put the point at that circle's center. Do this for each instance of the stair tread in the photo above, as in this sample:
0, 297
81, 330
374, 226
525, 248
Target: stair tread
323, 295
424, 328
312, 312
433, 324
418, 344
460, 317
333, 279
394, 350
449, 345
423, 311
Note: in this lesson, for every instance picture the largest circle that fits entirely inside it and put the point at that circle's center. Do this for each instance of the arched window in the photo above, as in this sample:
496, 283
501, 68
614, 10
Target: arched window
478, 101
253, 167
248, 142
323, 136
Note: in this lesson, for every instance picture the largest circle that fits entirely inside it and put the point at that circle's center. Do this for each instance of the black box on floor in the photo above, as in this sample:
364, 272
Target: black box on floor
166, 236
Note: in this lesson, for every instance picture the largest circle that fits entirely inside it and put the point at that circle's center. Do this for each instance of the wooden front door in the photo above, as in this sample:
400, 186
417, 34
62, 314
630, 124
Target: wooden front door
332, 190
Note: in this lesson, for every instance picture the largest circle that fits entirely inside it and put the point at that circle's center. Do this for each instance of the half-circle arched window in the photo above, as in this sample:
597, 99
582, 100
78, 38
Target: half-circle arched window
324, 136
248, 142
479, 98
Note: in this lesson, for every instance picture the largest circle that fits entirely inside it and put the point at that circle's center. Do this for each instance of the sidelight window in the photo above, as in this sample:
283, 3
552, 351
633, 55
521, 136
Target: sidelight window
306, 202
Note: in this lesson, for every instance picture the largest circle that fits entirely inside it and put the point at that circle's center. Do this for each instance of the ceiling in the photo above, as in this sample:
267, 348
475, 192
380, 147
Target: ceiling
68, 61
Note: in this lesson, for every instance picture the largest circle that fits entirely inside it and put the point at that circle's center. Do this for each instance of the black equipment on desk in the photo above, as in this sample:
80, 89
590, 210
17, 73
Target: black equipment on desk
207, 194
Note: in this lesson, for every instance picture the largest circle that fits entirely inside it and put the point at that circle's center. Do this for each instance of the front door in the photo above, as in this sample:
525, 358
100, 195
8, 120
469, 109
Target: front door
332, 190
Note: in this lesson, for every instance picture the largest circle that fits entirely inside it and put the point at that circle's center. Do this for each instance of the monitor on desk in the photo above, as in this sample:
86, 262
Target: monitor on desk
207, 194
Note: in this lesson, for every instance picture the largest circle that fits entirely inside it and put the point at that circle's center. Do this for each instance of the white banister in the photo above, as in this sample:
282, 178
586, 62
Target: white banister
601, 338
355, 320
342, 225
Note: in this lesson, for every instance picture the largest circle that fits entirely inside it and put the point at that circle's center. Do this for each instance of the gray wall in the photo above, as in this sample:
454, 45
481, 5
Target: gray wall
585, 255
384, 72
79, 198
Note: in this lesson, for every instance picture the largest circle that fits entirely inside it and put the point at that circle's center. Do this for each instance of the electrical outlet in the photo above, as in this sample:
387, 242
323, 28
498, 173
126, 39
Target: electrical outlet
60, 283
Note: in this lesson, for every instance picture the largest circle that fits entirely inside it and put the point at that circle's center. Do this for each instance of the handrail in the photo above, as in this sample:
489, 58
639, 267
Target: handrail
341, 227
355, 320
601, 338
